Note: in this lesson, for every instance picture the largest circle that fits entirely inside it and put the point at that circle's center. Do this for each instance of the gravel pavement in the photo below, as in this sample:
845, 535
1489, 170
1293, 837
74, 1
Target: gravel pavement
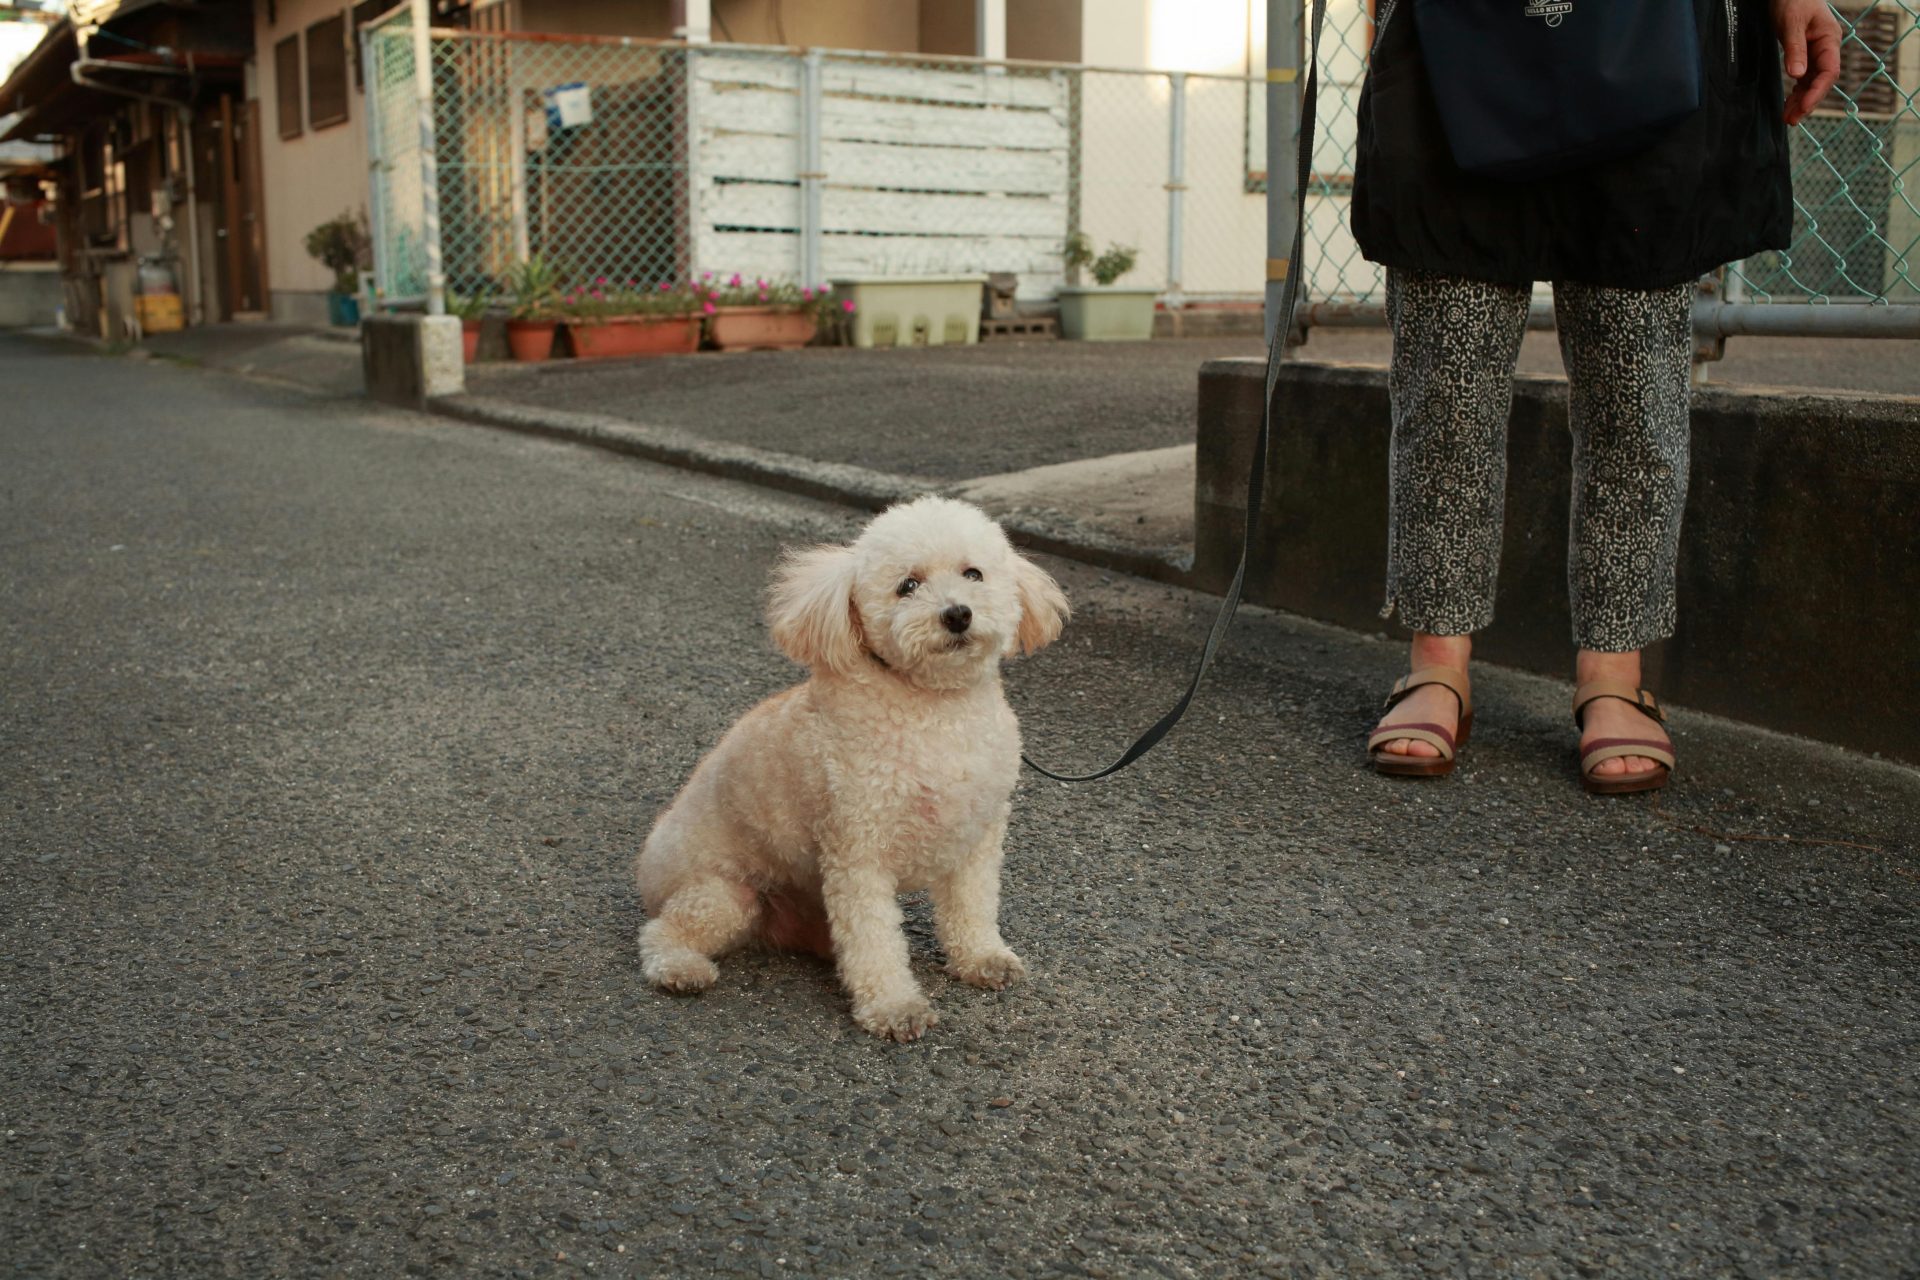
327, 733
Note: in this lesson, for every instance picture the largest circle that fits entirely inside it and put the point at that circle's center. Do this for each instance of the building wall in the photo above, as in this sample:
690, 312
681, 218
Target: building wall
649, 18
30, 294
1038, 30
307, 179
884, 25
1044, 30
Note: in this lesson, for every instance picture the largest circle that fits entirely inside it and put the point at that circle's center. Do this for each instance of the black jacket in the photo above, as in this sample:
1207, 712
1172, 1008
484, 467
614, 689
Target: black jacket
1714, 190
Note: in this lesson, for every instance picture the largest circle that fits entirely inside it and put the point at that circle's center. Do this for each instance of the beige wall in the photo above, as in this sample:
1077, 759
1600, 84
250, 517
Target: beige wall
1044, 30
885, 25
1041, 30
946, 26
307, 179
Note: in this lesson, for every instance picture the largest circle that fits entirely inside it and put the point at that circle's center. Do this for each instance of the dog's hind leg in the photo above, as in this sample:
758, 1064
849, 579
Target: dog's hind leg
704, 918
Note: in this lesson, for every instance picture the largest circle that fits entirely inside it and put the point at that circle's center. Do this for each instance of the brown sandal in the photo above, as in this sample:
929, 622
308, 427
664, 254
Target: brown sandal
1448, 744
1613, 748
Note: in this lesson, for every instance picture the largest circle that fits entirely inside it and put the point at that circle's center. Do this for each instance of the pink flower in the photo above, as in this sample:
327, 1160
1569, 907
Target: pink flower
735, 282
599, 296
847, 306
664, 286
715, 295
763, 295
806, 295
708, 307
601, 280
758, 283
706, 275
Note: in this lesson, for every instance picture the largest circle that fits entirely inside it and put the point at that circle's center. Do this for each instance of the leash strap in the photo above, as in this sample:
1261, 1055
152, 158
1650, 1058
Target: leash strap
1256, 480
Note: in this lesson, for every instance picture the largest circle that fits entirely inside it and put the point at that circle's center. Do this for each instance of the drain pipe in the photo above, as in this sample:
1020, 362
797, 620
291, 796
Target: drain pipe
196, 304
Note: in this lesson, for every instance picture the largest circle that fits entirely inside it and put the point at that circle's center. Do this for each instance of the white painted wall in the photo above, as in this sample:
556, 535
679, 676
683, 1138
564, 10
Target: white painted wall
307, 179
930, 171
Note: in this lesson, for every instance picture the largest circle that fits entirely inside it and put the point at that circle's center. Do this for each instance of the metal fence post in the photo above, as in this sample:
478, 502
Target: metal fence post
517, 158
1283, 124
1176, 184
429, 170
376, 175
812, 177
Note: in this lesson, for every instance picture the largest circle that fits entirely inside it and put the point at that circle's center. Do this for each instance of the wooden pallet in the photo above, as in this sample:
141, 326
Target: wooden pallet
1020, 327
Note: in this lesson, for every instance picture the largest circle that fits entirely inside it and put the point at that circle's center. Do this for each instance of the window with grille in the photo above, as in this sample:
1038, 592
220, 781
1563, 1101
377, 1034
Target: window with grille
1867, 59
286, 83
327, 72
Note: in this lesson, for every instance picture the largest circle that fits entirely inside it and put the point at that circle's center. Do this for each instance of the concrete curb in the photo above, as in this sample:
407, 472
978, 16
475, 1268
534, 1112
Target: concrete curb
1046, 530
832, 481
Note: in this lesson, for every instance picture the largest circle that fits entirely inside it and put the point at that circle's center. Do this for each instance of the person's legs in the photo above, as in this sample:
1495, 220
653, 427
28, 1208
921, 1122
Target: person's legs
1455, 342
1628, 354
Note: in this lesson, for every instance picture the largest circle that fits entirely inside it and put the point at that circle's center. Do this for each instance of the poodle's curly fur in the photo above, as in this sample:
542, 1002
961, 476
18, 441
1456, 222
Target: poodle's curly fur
889, 770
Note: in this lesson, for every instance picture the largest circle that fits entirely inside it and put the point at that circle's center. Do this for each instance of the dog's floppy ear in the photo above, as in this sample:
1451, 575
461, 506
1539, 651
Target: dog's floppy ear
1043, 606
811, 608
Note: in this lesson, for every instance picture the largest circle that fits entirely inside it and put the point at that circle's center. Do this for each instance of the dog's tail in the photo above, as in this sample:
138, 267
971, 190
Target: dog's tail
796, 921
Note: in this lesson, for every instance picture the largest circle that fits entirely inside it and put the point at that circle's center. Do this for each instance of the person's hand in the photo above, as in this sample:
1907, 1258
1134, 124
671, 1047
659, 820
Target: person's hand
1810, 37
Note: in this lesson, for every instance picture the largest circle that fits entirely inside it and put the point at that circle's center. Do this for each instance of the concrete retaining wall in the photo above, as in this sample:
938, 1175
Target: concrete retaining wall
29, 295
1800, 561
410, 359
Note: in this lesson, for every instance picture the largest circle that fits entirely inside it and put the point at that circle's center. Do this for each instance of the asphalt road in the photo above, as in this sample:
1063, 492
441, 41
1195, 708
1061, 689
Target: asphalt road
327, 733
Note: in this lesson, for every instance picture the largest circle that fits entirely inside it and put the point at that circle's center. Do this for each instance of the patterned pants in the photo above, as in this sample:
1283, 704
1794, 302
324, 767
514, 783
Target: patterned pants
1628, 355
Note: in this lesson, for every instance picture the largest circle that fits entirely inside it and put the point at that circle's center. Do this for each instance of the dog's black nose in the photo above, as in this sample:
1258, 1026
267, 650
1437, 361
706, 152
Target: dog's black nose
956, 618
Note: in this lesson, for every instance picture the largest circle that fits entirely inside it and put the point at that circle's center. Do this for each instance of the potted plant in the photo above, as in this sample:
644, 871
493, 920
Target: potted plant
605, 320
535, 286
767, 315
471, 308
343, 246
1104, 312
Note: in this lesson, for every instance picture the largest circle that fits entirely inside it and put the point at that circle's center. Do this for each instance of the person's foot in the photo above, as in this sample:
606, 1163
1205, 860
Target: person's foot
1429, 704
1612, 718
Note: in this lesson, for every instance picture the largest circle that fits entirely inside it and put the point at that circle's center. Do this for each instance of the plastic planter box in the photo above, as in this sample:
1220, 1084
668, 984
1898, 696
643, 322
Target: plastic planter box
913, 311
1110, 313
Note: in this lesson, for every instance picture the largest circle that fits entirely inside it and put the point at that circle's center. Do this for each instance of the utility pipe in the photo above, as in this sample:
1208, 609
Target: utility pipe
196, 303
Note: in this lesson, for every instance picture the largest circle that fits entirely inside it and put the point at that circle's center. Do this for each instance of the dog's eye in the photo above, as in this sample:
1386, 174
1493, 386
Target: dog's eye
971, 575
908, 587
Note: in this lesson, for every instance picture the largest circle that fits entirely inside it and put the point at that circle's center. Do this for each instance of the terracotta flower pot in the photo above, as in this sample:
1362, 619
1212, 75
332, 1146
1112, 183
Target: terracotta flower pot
760, 329
530, 339
470, 340
634, 336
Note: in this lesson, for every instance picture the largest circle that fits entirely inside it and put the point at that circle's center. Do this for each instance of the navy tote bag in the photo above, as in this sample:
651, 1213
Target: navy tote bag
1530, 88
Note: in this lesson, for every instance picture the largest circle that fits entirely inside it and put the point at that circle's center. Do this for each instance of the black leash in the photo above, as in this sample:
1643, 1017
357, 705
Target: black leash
1256, 481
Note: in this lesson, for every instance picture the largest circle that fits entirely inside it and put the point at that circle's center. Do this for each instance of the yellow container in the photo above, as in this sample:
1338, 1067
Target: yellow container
159, 312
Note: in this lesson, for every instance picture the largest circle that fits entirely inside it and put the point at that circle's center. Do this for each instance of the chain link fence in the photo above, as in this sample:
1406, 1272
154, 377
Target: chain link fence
644, 161
1856, 224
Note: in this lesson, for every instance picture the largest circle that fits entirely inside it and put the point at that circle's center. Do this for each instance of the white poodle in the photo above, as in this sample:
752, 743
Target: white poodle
890, 770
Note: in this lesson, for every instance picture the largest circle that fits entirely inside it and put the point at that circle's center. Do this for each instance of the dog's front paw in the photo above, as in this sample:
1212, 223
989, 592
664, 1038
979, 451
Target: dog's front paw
996, 971
681, 972
904, 1018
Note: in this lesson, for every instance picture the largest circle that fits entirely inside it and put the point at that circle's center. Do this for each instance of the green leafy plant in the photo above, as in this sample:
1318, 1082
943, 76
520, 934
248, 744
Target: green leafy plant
344, 246
467, 306
535, 285
1107, 267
